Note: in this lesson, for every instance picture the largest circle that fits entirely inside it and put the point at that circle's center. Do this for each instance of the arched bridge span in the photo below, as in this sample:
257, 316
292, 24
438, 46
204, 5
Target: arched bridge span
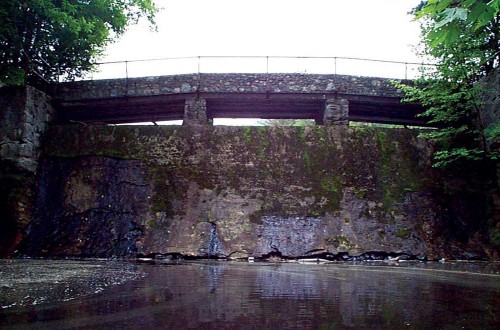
198, 98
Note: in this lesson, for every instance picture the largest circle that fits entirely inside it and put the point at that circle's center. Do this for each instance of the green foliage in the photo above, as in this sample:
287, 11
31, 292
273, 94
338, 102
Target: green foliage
44, 39
463, 38
450, 17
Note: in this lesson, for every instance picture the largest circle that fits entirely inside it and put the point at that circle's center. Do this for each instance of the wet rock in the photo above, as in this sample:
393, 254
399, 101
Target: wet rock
293, 236
273, 256
89, 206
367, 256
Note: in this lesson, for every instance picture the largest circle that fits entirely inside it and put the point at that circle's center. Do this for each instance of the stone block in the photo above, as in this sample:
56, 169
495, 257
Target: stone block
195, 112
27, 150
336, 112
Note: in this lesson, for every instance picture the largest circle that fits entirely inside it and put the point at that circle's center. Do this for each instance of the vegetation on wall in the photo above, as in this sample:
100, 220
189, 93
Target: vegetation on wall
287, 122
45, 39
463, 38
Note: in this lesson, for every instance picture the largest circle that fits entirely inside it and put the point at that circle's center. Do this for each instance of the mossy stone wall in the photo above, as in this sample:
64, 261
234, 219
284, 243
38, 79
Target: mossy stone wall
257, 189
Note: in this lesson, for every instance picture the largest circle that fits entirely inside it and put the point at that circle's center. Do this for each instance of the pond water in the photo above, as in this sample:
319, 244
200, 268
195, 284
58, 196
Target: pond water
99, 294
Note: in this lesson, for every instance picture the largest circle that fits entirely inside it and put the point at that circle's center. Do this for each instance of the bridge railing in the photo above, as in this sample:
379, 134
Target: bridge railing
258, 64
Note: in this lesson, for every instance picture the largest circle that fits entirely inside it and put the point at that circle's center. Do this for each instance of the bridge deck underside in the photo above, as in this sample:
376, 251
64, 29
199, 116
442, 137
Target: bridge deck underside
221, 105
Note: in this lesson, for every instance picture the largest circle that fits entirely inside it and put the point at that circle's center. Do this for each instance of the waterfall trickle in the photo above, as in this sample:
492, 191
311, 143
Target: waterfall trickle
214, 246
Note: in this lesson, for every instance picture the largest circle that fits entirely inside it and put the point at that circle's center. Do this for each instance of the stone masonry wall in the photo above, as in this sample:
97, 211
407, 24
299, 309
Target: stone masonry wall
246, 191
25, 115
227, 83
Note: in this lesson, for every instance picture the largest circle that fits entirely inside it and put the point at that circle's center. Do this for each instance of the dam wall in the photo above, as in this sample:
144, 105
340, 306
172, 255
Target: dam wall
200, 190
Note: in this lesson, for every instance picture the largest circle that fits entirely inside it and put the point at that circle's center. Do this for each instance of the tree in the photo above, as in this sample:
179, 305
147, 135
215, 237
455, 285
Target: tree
463, 38
448, 18
45, 39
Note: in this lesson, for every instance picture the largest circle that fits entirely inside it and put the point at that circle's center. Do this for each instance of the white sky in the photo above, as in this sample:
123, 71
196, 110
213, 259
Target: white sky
375, 29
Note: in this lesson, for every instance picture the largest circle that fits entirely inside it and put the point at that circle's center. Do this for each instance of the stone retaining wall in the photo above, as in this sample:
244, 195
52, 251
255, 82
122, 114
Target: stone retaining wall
202, 190
25, 115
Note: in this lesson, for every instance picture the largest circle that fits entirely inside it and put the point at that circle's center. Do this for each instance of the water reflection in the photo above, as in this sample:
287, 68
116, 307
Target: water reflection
275, 296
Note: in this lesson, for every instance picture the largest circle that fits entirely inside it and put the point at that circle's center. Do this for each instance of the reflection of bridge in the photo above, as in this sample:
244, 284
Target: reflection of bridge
198, 98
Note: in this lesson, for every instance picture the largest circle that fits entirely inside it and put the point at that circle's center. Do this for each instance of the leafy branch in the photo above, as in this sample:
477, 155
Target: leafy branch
49, 38
462, 37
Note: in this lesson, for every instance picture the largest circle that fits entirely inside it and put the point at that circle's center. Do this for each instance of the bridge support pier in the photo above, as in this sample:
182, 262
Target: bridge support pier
195, 112
336, 112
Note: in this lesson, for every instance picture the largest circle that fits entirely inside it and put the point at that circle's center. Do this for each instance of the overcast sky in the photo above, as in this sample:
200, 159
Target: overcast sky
376, 29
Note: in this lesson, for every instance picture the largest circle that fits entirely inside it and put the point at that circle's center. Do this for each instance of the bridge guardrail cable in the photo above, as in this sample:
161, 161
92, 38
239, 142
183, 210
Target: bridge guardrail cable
257, 64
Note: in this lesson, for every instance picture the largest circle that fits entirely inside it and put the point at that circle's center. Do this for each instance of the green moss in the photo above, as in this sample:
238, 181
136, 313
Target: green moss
163, 190
309, 158
331, 186
398, 171
403, 233
320, 170
360, 192
247, 134
75, 141
301, 133
381, 165
257, 140
152, 224
306, 159
264, 142
199, 174
340, 240
320, 132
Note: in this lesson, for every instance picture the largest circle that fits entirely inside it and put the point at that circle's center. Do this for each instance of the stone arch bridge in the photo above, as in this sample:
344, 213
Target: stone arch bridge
199, 98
